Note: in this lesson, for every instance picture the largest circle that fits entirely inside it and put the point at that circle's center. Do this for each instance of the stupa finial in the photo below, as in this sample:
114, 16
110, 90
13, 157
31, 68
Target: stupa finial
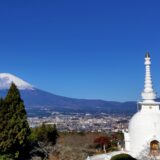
147, 55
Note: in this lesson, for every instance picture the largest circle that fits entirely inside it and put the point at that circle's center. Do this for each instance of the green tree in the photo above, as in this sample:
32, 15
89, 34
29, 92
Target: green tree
44, 133
43, 138
14, 130
116, 138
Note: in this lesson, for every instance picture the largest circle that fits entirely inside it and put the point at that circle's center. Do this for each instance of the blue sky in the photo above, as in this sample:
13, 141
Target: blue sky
81, 48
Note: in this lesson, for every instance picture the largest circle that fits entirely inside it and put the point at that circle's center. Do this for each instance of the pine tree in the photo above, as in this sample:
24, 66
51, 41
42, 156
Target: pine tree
14, 131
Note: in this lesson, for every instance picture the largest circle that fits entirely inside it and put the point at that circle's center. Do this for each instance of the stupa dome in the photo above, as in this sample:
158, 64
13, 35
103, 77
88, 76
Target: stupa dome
144, 127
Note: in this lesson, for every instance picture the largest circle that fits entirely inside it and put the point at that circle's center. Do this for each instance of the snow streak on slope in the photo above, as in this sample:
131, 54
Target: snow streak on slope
6, 79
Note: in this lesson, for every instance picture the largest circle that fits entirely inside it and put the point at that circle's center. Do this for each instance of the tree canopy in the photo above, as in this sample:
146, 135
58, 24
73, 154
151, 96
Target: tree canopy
122, 157
14, 128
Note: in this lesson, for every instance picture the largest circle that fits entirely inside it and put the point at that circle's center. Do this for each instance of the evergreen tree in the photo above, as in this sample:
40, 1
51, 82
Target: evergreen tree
14, 129
43, 139
45, 133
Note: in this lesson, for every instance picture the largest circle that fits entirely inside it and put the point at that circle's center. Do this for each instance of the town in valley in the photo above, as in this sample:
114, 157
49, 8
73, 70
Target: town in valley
83, 122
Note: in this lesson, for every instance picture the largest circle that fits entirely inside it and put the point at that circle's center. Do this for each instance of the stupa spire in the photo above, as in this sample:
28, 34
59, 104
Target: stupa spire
148, 93
147, 55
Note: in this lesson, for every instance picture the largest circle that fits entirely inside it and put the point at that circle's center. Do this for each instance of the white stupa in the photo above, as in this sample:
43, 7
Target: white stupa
142, 139
143, 136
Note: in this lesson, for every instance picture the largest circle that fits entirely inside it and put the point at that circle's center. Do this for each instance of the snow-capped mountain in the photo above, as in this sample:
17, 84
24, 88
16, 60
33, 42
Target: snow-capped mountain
6, 79
42, 103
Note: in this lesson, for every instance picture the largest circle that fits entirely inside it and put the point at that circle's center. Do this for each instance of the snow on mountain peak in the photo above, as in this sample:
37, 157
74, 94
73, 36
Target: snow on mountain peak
6, 79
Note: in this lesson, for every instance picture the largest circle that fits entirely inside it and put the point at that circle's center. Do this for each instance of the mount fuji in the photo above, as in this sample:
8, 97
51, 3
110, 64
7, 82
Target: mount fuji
42, 103
6, 79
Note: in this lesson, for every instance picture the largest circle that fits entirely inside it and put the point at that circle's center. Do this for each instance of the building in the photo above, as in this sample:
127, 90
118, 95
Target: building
142, 139
143, 136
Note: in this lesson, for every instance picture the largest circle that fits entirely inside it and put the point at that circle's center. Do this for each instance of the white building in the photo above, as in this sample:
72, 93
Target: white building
142, 139
143, 136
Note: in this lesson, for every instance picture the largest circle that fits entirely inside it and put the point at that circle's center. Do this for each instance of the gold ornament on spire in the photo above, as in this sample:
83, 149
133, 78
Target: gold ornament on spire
147, 55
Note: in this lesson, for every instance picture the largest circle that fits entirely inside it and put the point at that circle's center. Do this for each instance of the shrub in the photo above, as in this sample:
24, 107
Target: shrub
122, 157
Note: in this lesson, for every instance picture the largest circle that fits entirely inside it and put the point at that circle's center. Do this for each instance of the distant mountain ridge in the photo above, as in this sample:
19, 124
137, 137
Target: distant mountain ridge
36, 100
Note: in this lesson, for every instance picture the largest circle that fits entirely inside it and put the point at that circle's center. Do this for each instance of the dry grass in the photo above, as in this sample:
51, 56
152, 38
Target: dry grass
74, 146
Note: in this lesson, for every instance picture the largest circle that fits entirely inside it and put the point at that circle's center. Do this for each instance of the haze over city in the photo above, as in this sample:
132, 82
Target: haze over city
81, 49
